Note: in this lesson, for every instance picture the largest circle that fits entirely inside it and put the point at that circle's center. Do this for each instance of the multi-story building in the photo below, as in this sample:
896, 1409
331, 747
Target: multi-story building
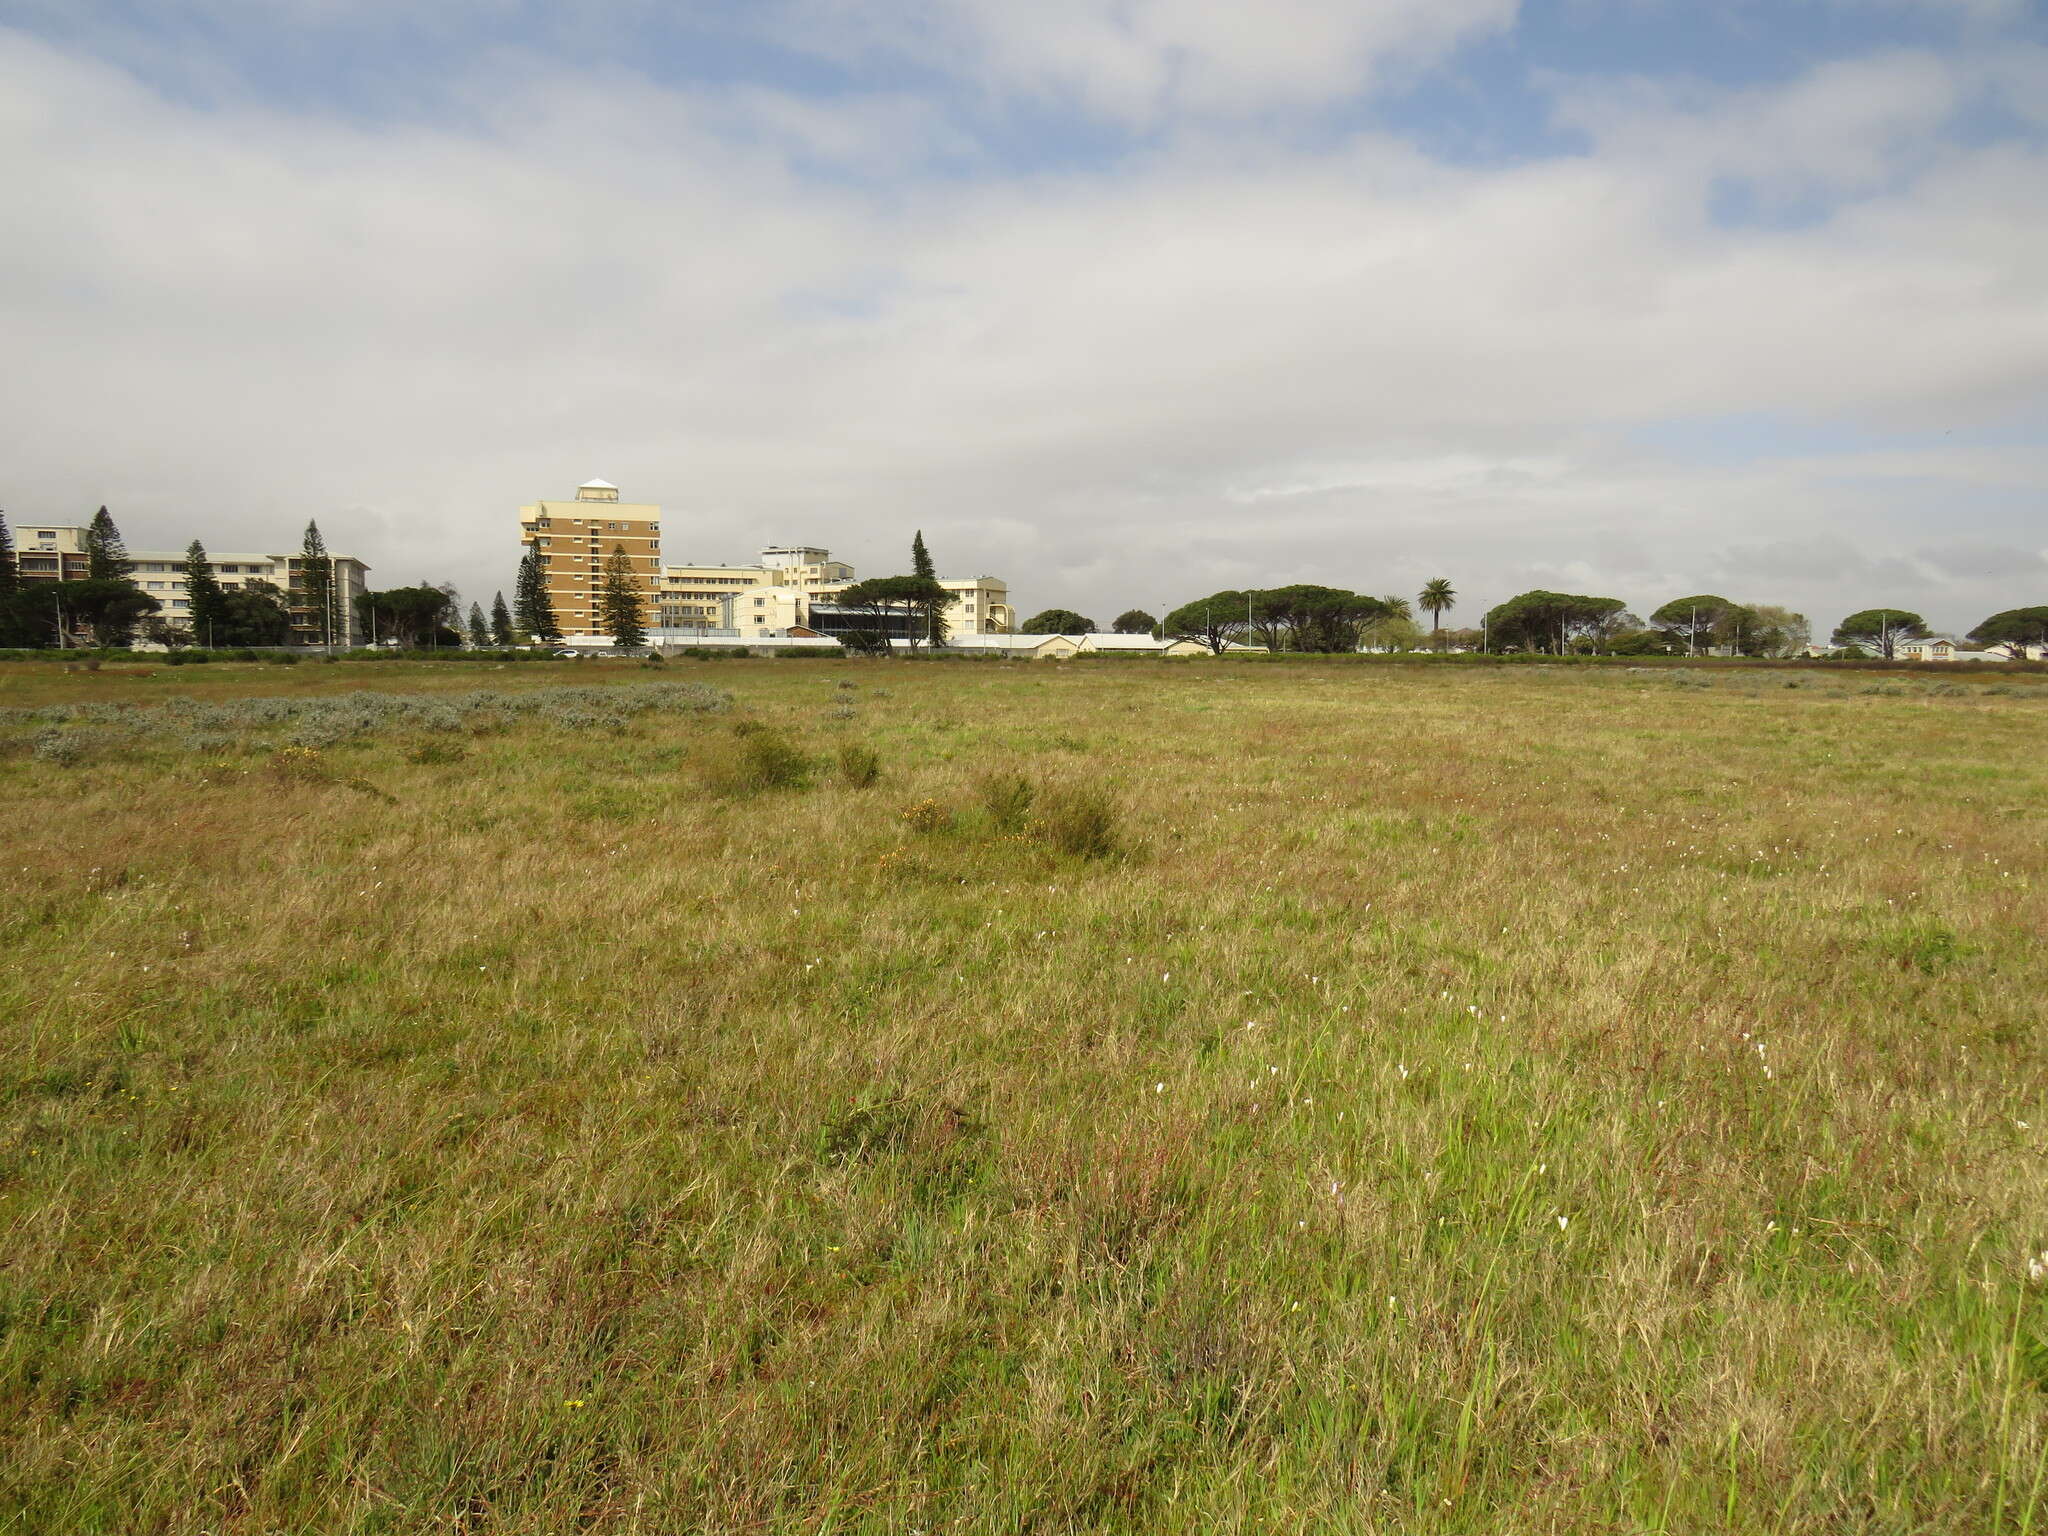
771, 597
574, 539
57, 552
778, 593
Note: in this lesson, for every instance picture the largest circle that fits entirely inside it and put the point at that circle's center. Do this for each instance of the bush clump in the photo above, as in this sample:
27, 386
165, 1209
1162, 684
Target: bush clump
1007, 797
859, 767
1079, 819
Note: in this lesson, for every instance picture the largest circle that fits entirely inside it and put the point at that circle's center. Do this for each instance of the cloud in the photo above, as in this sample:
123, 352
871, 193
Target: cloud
1137, 60
1228, 359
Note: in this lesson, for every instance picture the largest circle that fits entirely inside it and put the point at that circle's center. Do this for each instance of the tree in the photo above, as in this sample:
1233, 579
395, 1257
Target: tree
1057, 621
1216, 621
1314, 619
1879, 630
37, 614
1539, 620
106, 556
479, 627
931, 614
1775, 631
205, 608
10, 573
2016, 629
1436, 598
254, 613
1135, 621
1697, 621
501, 621
621, 604
1393, 632
316, 582
409, 615
916, 596
533, 612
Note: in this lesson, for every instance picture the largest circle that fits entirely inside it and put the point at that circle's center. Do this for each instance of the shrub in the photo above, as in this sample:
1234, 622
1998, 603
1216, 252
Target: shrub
761, 760
55, 745
927, 816
1007, 798
859, 767
1078, 819
435, 752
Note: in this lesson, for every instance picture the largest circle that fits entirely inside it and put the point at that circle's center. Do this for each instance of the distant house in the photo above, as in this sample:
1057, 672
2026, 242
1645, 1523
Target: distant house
1944, 648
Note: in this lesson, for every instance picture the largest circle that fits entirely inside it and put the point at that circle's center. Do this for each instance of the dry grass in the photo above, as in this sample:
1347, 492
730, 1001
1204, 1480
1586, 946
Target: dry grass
1533, 1101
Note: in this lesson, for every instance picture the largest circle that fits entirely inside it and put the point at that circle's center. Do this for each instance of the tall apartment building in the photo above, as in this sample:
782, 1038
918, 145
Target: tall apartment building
56, 552
573, 540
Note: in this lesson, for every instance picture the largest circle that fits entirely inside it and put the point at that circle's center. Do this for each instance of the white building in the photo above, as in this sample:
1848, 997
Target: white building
56, 552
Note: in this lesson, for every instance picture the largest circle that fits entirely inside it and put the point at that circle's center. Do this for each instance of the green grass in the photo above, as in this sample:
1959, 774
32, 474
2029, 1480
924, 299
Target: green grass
1318, 1099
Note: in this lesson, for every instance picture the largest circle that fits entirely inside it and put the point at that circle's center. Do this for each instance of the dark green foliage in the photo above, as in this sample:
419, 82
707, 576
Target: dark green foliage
1135, 621
533, 611
1057, 621
1557, 621
761, 760
316, 584
1436, 598
10, 573
1704, 622
1879, 630
106, 555
621, 602
479, 627
501, 621
2016, 629
203, 595
920, 558
919, 598
409, 615
29, 616
1314, 619
1217, 620
253, 614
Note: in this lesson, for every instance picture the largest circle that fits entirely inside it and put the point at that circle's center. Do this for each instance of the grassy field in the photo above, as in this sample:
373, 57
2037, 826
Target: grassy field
1193, 1098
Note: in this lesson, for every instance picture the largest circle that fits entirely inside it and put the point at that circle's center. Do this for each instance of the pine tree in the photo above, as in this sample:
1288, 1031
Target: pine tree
206, 603
533, 612
316, 582
479, 631
106, 557
10, 573
931, 616
621, 605
501, 621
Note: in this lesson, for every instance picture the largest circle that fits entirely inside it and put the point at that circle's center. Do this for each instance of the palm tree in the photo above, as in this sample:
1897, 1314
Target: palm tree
1433, 599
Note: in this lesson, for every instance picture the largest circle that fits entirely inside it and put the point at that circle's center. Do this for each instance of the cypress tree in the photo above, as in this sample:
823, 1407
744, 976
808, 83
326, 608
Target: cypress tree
479, 631
316, 581
10, 574
920, 558
621, 605
501, 621
206, 603
106, 557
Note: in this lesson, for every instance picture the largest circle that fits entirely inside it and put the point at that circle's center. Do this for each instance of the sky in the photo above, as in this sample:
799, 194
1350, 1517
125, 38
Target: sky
1124, 301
